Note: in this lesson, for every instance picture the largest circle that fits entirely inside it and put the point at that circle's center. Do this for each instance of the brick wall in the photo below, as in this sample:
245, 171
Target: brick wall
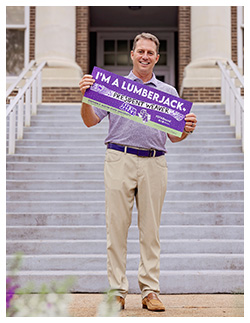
202, 94
184, 44
32, 32
234, 34
82, 37
61, 94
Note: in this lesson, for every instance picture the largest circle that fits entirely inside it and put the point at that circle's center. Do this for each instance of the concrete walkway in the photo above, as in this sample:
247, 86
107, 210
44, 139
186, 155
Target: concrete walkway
191, 305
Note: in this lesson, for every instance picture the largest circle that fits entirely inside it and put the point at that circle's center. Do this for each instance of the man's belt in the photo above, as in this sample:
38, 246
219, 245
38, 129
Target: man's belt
135, 151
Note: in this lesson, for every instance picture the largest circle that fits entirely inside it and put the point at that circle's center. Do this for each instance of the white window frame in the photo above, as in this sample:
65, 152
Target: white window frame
167, 71
26, 28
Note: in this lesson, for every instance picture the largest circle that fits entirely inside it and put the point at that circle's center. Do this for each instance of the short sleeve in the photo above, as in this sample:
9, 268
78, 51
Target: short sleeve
101, 113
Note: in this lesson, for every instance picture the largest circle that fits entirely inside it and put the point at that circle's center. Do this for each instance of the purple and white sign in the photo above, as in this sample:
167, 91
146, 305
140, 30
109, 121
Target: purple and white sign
138, 102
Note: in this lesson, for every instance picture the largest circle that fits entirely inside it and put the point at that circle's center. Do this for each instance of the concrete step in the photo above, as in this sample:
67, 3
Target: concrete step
81, 158
98, 175
98, 218
86, 142
95, 206
82, 129
98, 135
98, 166
181, 281
99, 232
98, 246
99, 195
98, 262
91, 184
101, 150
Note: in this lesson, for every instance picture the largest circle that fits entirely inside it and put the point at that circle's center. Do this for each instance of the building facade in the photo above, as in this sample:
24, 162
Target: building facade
72, 40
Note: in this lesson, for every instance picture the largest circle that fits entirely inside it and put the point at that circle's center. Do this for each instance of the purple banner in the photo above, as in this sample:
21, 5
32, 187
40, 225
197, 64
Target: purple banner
138, 102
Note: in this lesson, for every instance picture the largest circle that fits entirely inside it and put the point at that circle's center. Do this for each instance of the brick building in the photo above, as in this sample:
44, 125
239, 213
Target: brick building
74, 39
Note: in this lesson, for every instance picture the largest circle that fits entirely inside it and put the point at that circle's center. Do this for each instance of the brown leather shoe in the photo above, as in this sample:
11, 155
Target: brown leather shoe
152, 303
121, 301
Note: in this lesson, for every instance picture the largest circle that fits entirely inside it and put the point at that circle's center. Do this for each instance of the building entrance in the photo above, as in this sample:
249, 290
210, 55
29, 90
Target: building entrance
111, 39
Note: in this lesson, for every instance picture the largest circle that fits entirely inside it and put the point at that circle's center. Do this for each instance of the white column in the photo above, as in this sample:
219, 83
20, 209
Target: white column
55, 43
210, 41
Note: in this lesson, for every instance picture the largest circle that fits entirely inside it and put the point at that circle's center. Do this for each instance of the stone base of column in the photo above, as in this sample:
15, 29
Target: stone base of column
61, 73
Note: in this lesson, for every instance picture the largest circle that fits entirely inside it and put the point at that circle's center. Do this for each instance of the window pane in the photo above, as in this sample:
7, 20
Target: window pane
163, 45
122, 59
122, 45
109, 59
160, 77
109, 45
14, 51
131, 44
162, 60
14, 15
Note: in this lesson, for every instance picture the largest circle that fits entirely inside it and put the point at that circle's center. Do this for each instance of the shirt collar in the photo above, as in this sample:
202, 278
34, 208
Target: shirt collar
152, 81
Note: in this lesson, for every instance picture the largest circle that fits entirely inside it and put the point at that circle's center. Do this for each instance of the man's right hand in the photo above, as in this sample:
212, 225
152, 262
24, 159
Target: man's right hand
86, 82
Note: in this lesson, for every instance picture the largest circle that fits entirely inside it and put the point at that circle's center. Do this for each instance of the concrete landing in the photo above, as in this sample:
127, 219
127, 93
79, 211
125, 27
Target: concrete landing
191, 305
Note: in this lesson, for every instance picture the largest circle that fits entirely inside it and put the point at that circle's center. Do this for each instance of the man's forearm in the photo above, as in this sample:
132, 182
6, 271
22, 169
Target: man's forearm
88, 115
176, 139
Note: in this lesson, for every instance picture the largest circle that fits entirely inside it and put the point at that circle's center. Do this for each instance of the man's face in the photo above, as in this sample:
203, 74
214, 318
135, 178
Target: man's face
144, 57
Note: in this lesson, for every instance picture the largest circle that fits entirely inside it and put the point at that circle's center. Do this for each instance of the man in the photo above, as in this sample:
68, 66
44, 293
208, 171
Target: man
135, 168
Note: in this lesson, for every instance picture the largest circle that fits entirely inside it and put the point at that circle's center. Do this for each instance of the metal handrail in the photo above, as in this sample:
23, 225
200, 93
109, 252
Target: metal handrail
236, 72
24, 89
231, 84
34, 85
20, 77
231, 96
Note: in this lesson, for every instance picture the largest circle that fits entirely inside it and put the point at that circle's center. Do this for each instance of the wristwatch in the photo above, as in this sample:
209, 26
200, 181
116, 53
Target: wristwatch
187, 132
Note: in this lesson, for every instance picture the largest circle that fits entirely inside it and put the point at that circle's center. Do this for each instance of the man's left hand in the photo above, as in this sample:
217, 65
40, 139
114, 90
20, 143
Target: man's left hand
191, 121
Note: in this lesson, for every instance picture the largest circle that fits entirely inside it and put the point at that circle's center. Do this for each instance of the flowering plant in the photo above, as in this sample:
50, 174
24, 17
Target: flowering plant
51, 300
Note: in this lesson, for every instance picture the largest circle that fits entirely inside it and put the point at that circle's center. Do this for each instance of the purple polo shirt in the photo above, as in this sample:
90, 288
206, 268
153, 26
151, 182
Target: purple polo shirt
130, 133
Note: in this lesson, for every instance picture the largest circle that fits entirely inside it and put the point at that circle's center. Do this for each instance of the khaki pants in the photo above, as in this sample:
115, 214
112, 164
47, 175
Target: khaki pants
127, 177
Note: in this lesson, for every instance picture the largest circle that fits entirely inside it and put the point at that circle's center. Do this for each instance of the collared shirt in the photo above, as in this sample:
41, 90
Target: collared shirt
127, 132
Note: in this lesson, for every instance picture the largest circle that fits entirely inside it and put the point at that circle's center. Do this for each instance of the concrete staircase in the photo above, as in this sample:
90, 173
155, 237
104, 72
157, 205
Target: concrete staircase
55, 205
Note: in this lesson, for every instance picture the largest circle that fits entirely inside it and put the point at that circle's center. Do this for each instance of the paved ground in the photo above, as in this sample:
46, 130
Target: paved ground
216, 305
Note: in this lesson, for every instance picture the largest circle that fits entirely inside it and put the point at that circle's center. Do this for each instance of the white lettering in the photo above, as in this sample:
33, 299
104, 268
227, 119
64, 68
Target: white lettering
150, 93
179, 105
116, 83
167, 102
172, 103
106, 79
144, 92
123, 85
156, 96
137, 91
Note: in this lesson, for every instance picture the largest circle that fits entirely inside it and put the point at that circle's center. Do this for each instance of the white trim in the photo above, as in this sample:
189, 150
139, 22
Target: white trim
132, 29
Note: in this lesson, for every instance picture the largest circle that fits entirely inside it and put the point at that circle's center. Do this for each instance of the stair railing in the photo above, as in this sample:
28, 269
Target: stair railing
231, 84
31, 94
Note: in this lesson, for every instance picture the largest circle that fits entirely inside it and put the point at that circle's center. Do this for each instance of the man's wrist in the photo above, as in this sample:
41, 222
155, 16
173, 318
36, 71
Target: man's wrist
187, 132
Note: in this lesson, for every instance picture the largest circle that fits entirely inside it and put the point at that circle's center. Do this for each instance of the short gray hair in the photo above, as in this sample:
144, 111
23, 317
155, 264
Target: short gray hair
147, 36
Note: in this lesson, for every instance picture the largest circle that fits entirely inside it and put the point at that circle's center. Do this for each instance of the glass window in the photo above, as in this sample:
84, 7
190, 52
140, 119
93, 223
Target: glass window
109, 45
122, 45
14, 51
109, 59
122, 59
17, 39
117, 52
162, 59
